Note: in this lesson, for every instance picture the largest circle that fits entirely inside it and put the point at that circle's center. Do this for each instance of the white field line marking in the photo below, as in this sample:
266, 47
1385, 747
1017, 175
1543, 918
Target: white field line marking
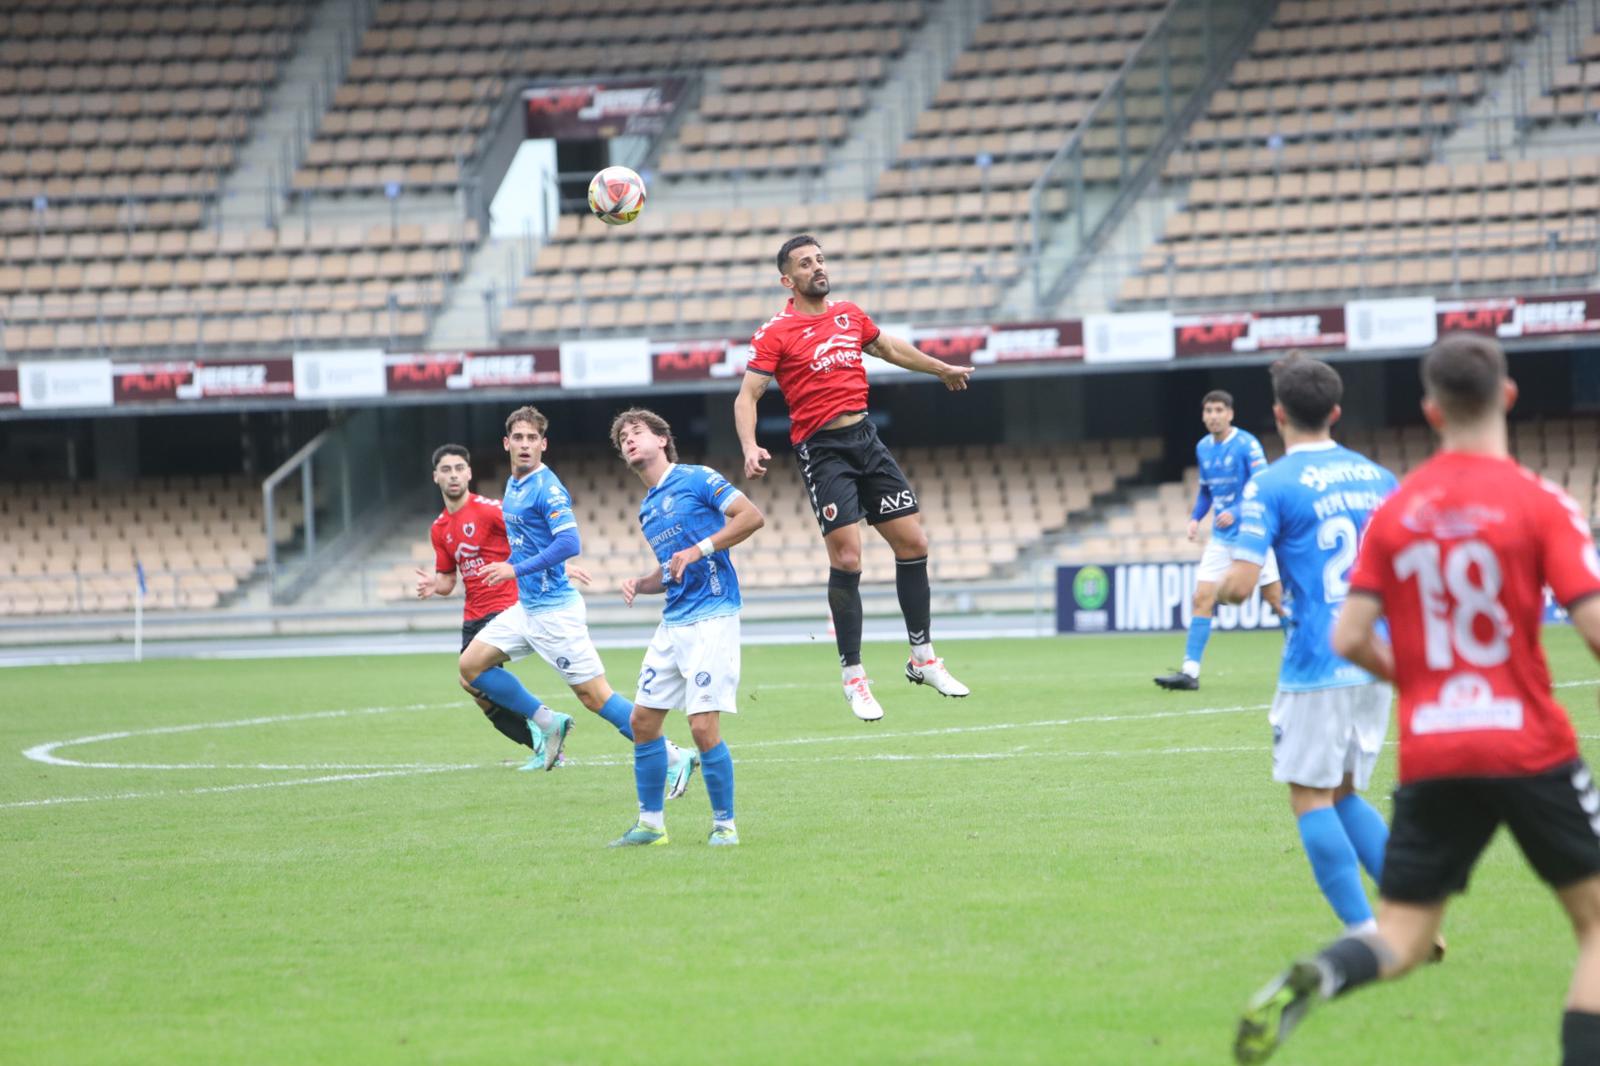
45, 753
406, 772
602, 761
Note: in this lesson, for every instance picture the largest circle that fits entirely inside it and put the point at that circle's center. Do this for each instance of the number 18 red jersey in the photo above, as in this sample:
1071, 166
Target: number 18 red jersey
1460, 556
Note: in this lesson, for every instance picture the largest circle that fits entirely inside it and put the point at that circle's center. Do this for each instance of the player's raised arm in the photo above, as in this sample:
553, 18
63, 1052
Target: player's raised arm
744, 422
904, 354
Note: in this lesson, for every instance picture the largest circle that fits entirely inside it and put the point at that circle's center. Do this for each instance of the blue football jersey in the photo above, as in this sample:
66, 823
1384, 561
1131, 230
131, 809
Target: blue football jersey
1224, 470
685, 507
1312, 508
536, 508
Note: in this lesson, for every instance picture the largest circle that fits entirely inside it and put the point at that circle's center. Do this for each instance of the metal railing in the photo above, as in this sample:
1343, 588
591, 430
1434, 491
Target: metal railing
1159, 86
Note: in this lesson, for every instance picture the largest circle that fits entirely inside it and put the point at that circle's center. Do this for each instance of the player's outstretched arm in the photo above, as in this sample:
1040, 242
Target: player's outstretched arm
903, 353
1355, 635
744, 422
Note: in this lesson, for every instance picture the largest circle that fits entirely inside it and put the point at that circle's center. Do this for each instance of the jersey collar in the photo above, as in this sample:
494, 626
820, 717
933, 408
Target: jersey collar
1314, 446
664, 475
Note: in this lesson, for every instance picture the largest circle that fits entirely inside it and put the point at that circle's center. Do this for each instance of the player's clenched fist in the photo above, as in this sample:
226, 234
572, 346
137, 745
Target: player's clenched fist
754, 462
495, 573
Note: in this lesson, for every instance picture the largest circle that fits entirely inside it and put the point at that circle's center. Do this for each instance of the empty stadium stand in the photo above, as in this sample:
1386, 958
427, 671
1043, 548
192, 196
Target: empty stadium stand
70, 548
1312, 172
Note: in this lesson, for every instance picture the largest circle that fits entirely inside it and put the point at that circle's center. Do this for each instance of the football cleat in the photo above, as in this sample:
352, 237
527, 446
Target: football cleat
934, 674
555, 739
536, 760
723, 836
1178, 682
680, 771
861, 700
640, 836
1276, 1011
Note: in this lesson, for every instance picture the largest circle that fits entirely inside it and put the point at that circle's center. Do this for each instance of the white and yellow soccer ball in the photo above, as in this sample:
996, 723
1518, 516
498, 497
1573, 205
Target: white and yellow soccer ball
616, 196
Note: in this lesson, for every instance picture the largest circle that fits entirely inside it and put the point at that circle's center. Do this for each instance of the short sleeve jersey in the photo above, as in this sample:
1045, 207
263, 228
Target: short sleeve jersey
537, 507
1224, 469
683, 508
1460, 557
466, 542
816, 361
1311, 508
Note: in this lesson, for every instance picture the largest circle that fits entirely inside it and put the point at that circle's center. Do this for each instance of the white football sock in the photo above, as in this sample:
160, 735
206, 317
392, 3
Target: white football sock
853, 672
653, 819
718, 823
543, 718
1191, 668
922, 653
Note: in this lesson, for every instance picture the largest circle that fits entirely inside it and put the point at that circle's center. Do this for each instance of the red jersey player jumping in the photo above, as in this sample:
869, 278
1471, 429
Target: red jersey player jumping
1458, 560
813, 348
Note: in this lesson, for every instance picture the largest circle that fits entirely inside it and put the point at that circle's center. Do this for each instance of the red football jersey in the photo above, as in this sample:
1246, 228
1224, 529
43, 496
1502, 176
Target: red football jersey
468, 541
816, 360
1460, 556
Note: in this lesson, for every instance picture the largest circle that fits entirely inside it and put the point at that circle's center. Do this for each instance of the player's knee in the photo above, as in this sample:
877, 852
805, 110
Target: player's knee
645, 725
592, 698
912, 544
845, 559
706, 731
474, 693
1204, 602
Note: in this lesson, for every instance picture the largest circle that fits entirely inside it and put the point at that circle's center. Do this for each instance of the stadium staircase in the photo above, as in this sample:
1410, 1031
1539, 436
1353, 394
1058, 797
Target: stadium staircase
1497, 127
1108, 215
253, 194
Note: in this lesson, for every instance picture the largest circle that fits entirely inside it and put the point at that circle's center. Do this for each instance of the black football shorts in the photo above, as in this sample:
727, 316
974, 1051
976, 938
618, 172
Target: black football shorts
850, 475
1441, 827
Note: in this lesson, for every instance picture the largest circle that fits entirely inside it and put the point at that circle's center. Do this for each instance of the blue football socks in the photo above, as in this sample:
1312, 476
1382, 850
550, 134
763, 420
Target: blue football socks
717, 767
502, 687
1367, 832
1199, 633
1333, 861
650, 774
618, 710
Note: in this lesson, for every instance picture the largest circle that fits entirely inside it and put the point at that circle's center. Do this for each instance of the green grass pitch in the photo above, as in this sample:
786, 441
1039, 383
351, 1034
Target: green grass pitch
1070, 866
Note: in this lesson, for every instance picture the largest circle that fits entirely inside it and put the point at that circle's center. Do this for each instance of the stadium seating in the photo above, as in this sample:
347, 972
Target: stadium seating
1310, 173
126, 116
429, 73
71, 548
984, 506
1151, 529
1574, 93
234, 290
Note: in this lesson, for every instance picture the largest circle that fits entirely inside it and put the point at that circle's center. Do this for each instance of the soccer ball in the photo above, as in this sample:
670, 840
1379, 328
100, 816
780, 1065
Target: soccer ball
616, 196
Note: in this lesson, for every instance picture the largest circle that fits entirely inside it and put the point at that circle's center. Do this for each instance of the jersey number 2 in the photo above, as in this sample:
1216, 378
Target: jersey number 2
1338, 533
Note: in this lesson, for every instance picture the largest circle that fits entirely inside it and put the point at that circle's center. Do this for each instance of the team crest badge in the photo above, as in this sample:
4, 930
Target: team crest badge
842, 320
830, 512
469, 529
702, 679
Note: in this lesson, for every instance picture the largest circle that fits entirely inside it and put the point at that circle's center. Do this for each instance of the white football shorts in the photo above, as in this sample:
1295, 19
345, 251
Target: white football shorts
693, 668
559, 635
1319, 736
1217, 557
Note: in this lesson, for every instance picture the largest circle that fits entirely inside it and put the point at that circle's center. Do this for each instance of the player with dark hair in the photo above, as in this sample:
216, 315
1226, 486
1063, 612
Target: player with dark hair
813, 348
1457, 560
691, 518
1328, 716
1227, 457
548, 616
469, 534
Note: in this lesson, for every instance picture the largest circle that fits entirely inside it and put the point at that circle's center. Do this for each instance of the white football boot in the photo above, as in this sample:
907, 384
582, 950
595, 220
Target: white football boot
861, 700
933, 674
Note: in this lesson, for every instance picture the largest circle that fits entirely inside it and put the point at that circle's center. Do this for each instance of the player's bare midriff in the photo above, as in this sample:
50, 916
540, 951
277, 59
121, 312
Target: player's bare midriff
843, 420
